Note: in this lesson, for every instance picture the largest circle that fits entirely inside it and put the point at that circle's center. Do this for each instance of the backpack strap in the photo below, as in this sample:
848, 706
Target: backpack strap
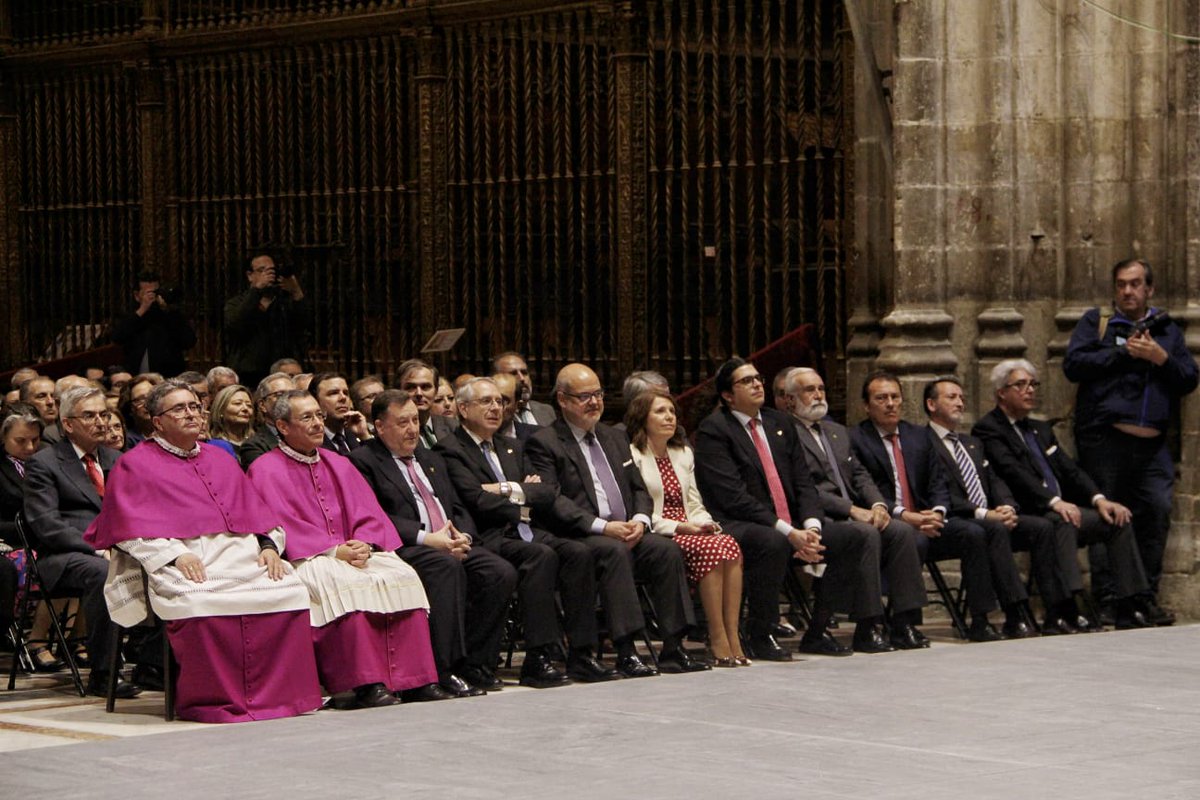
1105, 315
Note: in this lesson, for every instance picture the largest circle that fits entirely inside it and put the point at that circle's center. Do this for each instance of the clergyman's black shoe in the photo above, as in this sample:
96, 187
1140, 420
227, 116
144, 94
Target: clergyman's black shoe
1057, 626
373, 695
481, 677
586, 668
460, 688
765, 648
633, 667
824, 645
97, 686
678, 660
1018, 629
148, 677
539, 672
983, 632
425, 694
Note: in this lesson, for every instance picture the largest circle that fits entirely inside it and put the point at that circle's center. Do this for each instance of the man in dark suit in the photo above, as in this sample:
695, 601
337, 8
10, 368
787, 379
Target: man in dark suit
908, 473
468, 587
345, 427
977, 494
63, 489
420, 380
603, 502
510, 426
849, 496
155, 335
528, 411
266, 438
489, 474
1046, 481
752, 473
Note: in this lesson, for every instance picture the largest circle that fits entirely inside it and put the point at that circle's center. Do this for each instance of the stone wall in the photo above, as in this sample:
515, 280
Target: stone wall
1015, 152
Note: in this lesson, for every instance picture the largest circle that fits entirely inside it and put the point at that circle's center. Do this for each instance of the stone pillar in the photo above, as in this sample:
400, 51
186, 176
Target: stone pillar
432, 175
630, 61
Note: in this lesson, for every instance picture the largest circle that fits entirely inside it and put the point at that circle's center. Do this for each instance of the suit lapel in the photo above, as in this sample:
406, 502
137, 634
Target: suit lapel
391, 470
575, 454
741, 439
509, 463
73, 468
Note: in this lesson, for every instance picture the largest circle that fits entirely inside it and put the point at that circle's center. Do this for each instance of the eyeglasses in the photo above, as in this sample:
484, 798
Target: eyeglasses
183, 409
749, 380
311, 416
491, 401
586, 397
90, 417
1022, 386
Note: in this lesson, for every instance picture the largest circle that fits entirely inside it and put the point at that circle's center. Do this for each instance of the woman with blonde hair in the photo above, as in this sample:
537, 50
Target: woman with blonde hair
713, 559
231, 421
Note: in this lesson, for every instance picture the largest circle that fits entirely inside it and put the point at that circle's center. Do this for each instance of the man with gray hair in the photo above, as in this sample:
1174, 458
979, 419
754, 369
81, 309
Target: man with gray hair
219, 377
266, 438
1045, 480
39, 393
64, 487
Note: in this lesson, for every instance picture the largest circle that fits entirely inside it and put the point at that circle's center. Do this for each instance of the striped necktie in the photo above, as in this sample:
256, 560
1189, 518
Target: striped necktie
970, 475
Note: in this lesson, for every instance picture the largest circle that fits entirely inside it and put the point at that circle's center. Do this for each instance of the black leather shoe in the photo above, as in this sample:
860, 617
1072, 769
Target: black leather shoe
586, 668
1085, 624
824, 645
678, 661
148, 677
1133, 619
783, 630
460, 688
905, 636
765, 648
871, 642
983, 632
1057, 626
1018, 630
481, 677
1157, 615
632, 667
425, 694
97, 686
373, 695
539, 672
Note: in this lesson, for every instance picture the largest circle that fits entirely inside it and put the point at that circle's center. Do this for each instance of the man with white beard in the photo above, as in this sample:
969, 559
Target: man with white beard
849, 497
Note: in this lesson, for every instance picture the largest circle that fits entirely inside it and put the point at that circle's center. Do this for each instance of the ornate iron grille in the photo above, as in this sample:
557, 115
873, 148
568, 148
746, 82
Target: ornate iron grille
80, 214
531, 187
307, 153
37, 22
748, 160
199, 14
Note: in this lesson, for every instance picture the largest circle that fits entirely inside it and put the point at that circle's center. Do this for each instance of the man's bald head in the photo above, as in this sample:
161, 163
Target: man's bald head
579, 395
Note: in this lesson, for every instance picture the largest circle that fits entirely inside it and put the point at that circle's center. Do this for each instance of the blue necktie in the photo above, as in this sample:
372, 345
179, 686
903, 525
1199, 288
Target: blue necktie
1048, 479
489, 455
604, 474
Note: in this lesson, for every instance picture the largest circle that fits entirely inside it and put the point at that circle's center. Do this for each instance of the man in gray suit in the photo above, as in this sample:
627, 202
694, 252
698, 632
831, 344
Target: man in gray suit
849, 496
64, 486
529, 411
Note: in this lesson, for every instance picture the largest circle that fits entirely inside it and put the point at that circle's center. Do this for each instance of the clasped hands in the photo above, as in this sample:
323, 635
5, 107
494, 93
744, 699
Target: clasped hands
807, 544
629, 532
450, 539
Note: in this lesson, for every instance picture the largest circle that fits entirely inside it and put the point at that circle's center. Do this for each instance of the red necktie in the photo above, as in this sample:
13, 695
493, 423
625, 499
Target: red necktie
94, 473
768, 464
906, 498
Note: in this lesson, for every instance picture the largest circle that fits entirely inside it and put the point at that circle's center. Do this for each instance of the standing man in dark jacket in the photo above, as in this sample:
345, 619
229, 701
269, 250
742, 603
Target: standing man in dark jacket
266, 322
1132, 366
154, 335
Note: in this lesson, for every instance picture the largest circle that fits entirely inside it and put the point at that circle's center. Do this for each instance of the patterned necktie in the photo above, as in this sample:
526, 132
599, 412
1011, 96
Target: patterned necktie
834, 469
778, 497
18, 465
489, 455
1048, 479
339, 444
436, 520
966, 468
427, 436
604, 474
906, 498
94, 474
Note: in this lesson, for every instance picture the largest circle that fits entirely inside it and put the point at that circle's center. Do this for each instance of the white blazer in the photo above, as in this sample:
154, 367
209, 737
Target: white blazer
684, 463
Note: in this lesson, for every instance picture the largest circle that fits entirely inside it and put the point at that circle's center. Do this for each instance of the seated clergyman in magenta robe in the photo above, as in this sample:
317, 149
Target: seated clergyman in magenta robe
240, 637
370, 621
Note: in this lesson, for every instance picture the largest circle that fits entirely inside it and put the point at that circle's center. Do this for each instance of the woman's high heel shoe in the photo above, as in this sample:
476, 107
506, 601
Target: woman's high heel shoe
44, 660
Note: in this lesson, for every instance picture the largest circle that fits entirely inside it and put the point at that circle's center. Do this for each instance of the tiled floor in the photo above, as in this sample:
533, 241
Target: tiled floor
1113, 715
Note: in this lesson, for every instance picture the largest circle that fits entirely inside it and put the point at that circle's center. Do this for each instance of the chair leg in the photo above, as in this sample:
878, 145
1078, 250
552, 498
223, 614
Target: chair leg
68, 656
18, 639
114, 672
168, 680
947, 599
649, 613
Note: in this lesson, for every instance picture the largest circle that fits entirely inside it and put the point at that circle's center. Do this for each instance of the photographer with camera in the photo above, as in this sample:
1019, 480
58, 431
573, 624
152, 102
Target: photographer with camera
156, 334
266, 322
1132, 366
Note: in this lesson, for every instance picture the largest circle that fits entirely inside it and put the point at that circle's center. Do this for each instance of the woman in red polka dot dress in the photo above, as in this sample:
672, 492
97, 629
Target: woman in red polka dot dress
713, 559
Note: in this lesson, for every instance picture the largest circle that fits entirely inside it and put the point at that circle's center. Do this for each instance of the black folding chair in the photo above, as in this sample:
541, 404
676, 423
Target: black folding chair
952, 599
35, 593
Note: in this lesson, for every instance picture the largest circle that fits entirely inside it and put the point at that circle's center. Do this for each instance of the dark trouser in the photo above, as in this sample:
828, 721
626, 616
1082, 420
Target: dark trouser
989, 574
8, 592
851, 582
1129, 578
766, 556
655, 561
1052, 556
82, 575
900, 565
1139, 474
542, 565
467, 603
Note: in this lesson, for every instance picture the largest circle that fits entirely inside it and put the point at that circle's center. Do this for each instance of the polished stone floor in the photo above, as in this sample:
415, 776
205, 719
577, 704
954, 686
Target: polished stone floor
1112, 715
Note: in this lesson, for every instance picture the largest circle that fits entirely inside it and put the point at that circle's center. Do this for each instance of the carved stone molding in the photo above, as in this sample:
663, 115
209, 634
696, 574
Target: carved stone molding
1000, 334
917, 340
